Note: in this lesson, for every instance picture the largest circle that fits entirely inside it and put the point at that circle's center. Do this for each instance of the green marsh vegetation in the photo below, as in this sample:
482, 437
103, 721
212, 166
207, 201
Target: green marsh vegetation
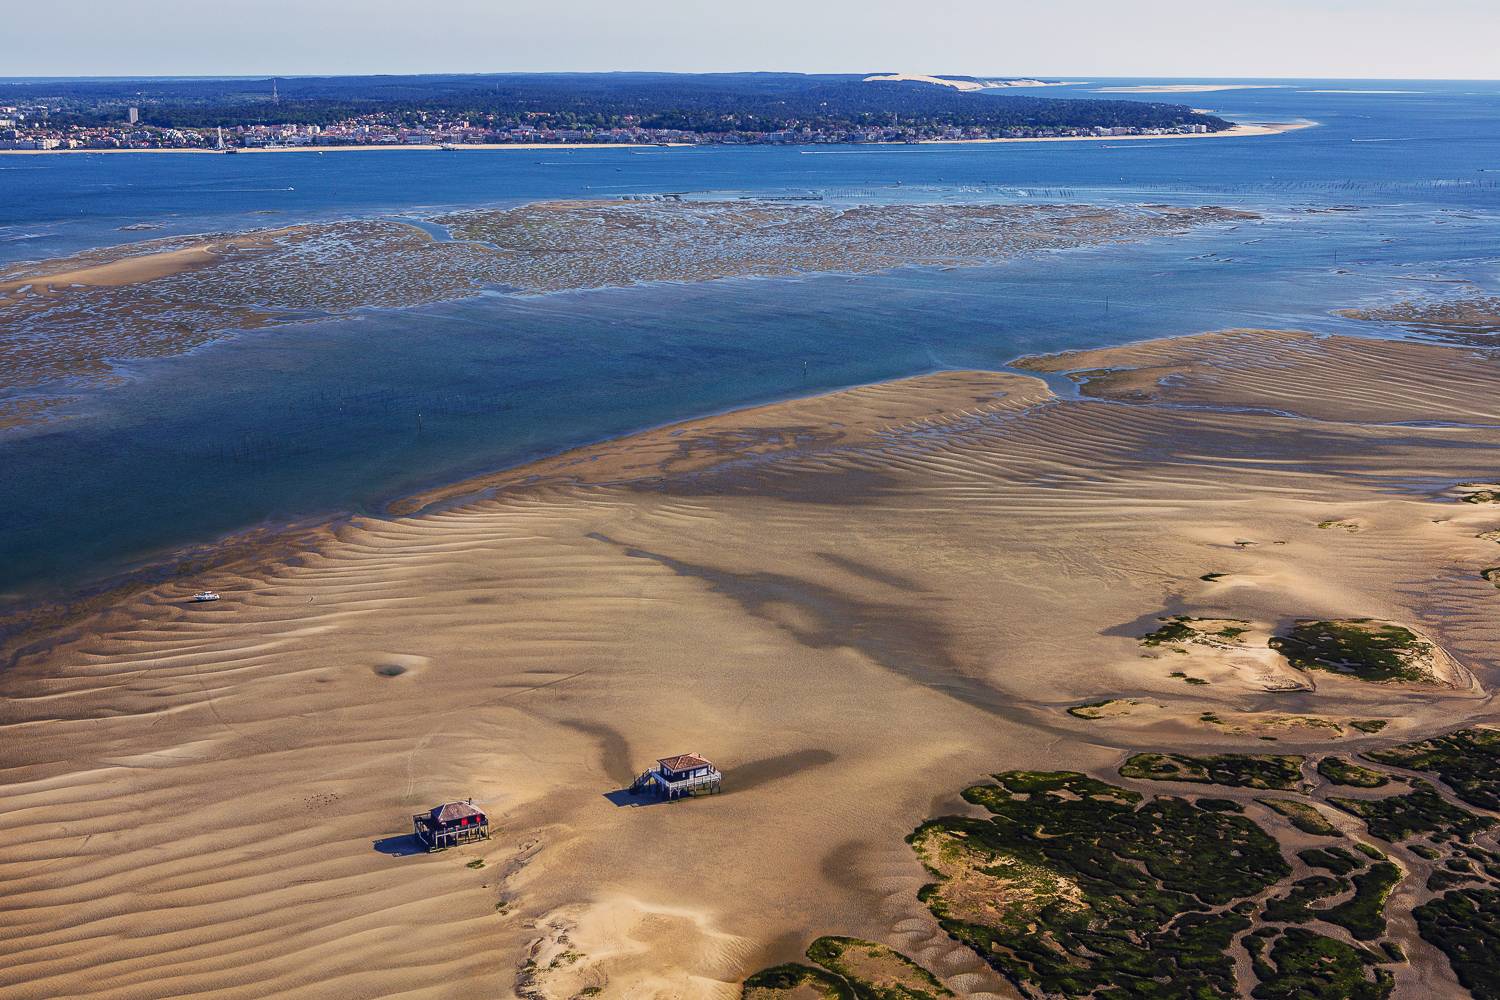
1421, 811
1294, 907
1271, 771
1465, 925
1107, 889
1306, 966
1343, 772
1363, 915
1455, 871
1334, 859
1071, 886
1467, 761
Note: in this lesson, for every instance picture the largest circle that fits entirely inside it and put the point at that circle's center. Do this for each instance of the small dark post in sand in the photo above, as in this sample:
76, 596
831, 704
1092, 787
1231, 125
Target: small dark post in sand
684, 774
450, 825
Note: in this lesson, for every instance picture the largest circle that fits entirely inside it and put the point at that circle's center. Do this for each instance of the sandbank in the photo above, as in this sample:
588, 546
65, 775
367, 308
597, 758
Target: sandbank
855, 604
70, 320
141, 267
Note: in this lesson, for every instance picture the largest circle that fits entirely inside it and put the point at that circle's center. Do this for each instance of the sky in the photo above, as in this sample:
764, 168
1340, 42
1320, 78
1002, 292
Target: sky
1374, 39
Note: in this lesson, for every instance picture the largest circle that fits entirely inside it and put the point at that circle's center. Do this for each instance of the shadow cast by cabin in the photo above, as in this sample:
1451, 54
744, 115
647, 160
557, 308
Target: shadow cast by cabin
625, 798
400, 846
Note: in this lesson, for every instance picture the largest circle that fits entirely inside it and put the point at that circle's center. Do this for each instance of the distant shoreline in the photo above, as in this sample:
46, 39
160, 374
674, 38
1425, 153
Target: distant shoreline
1259, 128
1187, 88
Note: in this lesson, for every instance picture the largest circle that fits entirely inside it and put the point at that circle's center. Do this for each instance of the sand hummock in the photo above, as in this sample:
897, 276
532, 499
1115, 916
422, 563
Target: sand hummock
853, 604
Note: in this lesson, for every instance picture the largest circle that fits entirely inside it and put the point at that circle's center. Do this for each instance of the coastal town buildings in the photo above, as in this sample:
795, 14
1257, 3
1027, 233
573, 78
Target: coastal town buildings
30, 128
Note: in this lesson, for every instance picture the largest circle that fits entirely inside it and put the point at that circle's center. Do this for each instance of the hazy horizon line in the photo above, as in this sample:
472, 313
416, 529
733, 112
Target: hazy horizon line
731, 72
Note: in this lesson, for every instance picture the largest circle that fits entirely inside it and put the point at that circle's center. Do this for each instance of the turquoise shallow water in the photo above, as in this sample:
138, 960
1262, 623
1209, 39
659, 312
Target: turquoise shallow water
345, 414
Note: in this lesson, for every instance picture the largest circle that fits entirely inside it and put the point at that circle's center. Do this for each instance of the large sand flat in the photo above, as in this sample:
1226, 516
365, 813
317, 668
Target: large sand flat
855, 604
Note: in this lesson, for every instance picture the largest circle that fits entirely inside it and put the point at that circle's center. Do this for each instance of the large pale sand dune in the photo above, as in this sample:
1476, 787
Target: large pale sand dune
854, 604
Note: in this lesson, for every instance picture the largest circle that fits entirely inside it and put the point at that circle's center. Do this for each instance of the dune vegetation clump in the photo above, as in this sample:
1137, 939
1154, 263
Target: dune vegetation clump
1359, 647
1479, 492
1275, 771
783, 982
874, 971
851, 969
1178, 630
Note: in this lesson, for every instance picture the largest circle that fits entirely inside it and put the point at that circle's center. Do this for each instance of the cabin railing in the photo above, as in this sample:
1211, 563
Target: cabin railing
711, 782
436, 839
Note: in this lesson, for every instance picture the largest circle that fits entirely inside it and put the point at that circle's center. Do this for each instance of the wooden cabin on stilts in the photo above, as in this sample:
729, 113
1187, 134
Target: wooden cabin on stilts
450, 824
684, 774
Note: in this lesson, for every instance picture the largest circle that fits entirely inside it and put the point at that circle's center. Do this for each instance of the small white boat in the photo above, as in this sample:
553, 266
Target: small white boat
206, 595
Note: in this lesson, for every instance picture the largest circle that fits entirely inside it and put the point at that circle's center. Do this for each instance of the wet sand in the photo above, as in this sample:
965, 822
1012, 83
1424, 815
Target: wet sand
855, 604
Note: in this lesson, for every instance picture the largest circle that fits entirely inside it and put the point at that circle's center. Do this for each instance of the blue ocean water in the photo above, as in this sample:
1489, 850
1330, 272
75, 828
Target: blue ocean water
345, 414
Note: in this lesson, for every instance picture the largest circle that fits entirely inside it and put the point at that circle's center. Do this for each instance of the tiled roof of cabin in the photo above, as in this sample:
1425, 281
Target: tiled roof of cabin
454, 811
684, 762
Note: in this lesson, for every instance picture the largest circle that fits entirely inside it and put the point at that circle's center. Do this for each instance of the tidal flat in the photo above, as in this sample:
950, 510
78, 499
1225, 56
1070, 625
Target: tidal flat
850, 600
70, 323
